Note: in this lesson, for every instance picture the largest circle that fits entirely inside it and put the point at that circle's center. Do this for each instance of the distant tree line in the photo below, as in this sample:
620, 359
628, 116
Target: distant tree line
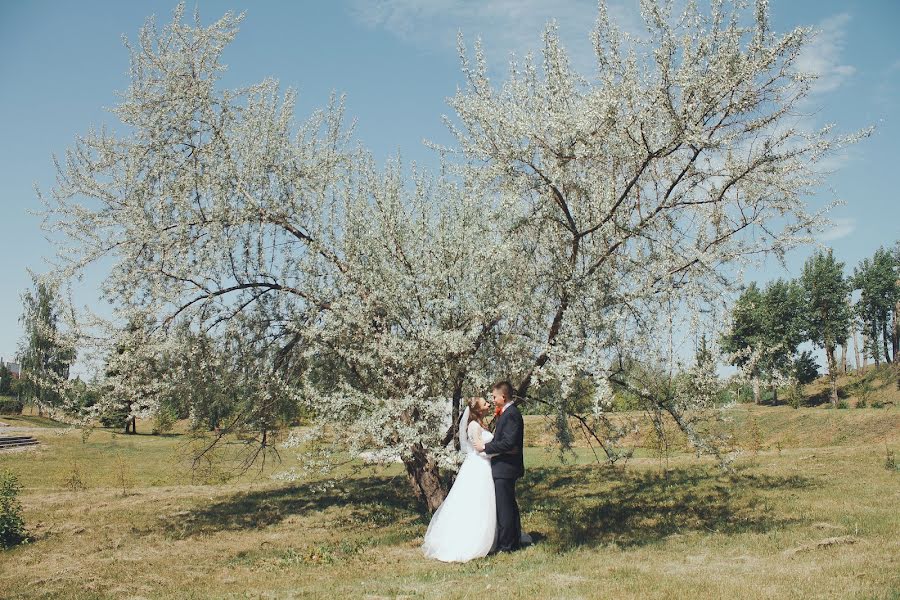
769, 324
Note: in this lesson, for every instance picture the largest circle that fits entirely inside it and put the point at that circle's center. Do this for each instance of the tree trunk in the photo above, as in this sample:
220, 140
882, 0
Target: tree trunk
873, 344
774, 395
885, 336
895, 338
844, 358
424, 478
832, 373
856, 350
865, 357
757, 395
131, 424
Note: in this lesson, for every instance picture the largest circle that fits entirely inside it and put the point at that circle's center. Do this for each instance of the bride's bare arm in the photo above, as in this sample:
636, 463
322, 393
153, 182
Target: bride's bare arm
474, 433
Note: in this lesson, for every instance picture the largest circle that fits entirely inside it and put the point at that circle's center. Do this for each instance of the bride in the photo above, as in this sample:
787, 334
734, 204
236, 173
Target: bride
465, 525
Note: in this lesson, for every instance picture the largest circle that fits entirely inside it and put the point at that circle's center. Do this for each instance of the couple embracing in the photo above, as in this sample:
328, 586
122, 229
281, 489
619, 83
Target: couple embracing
480, 514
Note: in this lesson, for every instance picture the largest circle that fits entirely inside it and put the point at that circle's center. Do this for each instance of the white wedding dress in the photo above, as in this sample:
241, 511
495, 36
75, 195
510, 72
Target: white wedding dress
465, 525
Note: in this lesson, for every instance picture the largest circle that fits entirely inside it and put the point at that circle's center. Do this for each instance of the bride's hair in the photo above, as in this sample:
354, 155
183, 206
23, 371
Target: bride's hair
475, 413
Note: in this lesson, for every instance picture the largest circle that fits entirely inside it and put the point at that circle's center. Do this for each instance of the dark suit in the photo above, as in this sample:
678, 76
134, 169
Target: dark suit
506, 467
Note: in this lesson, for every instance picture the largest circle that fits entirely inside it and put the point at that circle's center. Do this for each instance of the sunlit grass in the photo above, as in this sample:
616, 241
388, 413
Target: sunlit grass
792, 521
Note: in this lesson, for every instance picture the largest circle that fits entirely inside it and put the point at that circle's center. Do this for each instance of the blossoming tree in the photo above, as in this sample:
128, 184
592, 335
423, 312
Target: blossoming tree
579, 214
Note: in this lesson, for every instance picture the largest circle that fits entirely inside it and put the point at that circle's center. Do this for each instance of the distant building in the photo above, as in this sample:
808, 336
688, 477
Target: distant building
12, 366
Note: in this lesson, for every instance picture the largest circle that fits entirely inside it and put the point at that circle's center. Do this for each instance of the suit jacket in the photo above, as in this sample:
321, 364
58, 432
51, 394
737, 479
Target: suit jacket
508, 442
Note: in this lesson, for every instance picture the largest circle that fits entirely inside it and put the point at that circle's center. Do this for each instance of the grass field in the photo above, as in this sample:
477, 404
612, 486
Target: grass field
811, 512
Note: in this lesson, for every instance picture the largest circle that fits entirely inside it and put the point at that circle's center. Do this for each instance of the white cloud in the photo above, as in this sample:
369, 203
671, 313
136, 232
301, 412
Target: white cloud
505, 26
822, 56
841, 228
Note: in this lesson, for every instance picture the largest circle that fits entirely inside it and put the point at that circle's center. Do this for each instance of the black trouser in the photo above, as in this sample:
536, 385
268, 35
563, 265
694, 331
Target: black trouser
509, 525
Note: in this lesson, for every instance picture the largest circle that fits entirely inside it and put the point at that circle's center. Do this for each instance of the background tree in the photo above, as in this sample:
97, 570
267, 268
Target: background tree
45, 353
806, 369
579, 218
132, 378
6, 379
896, 332
879, 292
745, 341
767, 326
826, 292
785, 318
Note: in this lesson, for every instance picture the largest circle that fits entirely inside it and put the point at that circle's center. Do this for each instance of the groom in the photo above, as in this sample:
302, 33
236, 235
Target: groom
506, 465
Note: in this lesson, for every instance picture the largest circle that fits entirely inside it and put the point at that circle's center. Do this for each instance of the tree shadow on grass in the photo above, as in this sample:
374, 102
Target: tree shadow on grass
369, 502
563, 507
593, 507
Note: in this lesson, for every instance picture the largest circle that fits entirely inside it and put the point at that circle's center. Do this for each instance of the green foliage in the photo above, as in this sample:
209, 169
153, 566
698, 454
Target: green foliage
12, 524
6, 381
113, 416
806, 370
549, 398
877, 280
767, 326
80, 396
10, 406
747, 324
827, 292
164, 420
44, 356
785, 320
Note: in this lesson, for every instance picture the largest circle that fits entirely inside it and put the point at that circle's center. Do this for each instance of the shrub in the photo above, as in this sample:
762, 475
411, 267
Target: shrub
164, 420
11, 406
12, 525
113, 416
74, 481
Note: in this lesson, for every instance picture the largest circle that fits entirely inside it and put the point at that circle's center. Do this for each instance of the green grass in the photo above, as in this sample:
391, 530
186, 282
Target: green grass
812, 513
31, 421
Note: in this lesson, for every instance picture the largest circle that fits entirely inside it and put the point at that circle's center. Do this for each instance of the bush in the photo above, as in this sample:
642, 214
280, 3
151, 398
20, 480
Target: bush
12, 525
890, 461
164, 420
11, 406
113, 416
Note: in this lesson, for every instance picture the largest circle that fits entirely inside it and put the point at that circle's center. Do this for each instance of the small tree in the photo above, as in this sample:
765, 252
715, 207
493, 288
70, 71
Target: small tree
45, 354
806, 369
12, 524
896, 329
6, 379
828, 315
132, 381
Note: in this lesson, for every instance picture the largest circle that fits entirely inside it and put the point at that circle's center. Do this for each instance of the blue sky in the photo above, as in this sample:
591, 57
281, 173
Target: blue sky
61, 63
